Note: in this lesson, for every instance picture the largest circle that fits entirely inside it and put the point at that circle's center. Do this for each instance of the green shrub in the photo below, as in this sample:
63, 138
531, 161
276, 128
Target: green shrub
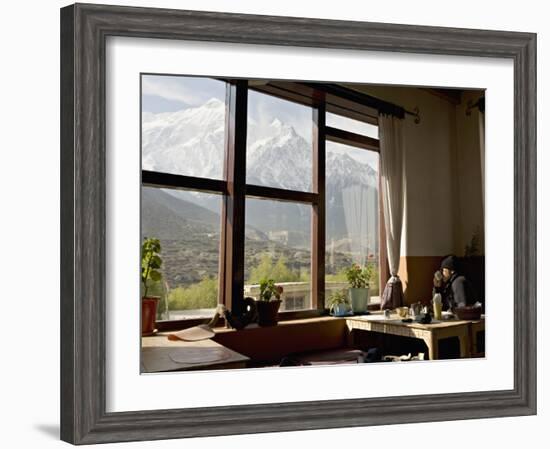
267, 270
201, 295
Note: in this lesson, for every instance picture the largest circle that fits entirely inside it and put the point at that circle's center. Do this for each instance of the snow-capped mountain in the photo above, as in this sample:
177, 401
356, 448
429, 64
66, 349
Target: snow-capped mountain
191, 142
280, 159
188, 142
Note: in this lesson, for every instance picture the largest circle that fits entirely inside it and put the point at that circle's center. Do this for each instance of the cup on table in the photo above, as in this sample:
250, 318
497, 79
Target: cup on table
402, 311
415, 309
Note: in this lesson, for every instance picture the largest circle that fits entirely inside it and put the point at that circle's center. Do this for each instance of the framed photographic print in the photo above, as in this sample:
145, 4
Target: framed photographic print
274, 224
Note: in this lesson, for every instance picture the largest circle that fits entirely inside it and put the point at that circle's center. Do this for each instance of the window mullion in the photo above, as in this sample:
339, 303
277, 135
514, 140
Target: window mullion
318, 209
233, 214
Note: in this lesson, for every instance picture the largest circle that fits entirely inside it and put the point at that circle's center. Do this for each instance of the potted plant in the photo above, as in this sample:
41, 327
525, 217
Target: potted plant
358, 279
339, 303
269, 302
150, 266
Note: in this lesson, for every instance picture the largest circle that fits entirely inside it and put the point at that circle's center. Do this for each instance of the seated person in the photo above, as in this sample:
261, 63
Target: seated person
455, 289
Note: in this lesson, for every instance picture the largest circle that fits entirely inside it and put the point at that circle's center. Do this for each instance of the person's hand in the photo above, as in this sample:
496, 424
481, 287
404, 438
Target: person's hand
438, 279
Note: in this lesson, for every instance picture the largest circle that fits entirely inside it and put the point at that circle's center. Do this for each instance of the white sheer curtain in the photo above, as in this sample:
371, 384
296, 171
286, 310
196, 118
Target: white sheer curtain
391, 174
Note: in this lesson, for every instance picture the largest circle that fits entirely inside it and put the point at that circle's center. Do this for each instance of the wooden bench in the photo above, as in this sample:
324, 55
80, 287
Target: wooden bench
269, 345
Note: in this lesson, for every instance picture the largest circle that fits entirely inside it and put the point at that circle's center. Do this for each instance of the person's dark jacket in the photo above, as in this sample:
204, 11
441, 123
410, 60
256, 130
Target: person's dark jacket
457, 292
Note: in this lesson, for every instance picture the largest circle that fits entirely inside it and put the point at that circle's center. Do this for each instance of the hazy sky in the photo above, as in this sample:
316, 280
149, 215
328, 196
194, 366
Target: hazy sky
162, 93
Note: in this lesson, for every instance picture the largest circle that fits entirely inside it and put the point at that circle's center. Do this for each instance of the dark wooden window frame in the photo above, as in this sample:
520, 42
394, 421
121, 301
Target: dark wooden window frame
235, 190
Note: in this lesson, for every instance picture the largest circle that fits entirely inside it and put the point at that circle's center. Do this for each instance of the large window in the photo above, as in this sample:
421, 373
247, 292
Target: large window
240, 183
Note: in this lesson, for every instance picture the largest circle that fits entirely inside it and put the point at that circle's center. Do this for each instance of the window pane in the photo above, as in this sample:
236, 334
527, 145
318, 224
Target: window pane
183, 122
188, 227
277, 246
351, 125
352, 214
279, 145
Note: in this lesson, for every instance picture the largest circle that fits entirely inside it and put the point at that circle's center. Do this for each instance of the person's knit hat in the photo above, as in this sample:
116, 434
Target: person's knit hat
450, 262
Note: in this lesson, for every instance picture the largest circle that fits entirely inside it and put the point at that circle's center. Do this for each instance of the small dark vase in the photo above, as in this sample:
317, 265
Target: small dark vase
149, 314
267, 312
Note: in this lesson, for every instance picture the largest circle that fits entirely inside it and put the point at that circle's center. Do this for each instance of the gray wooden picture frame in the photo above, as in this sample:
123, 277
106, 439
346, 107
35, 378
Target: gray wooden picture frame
84, 29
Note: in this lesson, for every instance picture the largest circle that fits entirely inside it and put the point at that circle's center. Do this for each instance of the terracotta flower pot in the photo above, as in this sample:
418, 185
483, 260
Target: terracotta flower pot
267, 312
149, 314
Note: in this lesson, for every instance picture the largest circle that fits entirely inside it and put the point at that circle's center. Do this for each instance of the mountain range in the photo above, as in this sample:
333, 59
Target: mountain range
191, 142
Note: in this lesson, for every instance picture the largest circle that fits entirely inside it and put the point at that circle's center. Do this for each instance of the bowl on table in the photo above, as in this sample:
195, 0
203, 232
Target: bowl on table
402, 311
468, 312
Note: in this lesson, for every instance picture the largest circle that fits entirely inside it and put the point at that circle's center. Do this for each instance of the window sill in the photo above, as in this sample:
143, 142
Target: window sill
281, 323
173, 325
284, 317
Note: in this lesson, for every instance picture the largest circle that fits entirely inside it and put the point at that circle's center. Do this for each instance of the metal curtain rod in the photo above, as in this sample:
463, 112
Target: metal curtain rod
415, 113
382, 106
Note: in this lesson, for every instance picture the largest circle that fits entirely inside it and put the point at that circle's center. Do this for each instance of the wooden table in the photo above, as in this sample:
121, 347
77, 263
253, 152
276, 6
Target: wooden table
429, 333
158, 354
